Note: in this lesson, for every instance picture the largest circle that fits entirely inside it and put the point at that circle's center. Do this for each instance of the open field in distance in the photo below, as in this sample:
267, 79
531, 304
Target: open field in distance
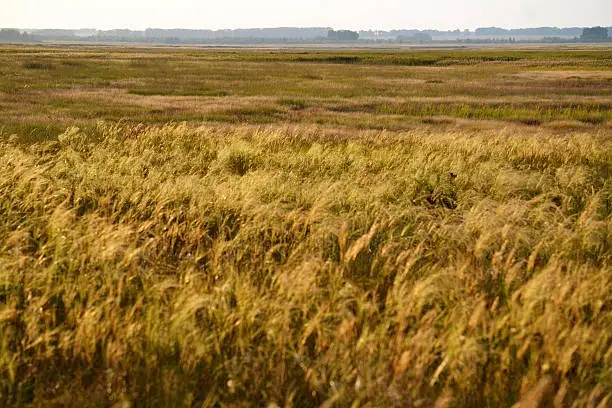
337, 228
44, 89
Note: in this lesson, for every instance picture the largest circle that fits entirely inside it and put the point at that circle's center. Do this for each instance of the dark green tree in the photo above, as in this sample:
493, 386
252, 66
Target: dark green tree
342, 35
594, 34
12, 35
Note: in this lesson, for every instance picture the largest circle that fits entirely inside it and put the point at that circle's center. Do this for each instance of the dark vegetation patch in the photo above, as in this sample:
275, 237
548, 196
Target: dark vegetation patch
177, 92
531, 122
401, 58
424, 58
436, 121
38, 65
593, 119
295, 104
29, 133
168, 111
335, 59
72, 63
532, 114
313, 77
344, 108
247, 115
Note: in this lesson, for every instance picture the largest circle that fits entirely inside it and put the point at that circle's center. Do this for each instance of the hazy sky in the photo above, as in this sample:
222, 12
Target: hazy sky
352, 14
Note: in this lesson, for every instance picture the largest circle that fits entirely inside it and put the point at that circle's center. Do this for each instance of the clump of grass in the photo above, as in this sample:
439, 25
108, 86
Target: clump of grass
239, 159
347, 268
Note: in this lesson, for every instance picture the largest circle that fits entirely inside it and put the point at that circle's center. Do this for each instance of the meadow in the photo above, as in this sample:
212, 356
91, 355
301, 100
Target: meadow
292, 227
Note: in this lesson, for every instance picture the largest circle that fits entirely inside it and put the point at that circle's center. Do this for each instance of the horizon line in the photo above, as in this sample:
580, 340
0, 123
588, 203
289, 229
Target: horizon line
302, 27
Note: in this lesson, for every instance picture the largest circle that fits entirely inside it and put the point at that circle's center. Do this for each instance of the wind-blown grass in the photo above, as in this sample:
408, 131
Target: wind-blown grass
304, 266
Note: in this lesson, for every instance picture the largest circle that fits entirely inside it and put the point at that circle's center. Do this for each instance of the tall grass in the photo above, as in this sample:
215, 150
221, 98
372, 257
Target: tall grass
268, 266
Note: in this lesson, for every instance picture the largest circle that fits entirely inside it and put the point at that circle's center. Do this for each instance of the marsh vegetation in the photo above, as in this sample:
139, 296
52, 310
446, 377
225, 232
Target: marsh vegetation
282, 228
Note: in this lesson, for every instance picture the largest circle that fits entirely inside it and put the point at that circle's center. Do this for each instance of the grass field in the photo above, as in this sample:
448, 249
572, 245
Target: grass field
277, 228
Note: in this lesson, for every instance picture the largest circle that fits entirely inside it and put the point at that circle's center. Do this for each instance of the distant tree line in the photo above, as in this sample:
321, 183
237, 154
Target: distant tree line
417, 37
528, 32
342, 35
594, 34
280, 32
313, 35
10, 35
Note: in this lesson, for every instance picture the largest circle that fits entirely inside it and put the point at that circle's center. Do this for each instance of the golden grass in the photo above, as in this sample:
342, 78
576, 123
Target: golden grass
237, 265
415, 229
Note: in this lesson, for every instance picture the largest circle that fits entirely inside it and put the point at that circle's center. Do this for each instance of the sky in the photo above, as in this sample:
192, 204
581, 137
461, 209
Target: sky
338, 14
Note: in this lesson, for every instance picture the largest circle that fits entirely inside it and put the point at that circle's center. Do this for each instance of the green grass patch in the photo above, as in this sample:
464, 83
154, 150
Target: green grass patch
29, 133
535, 114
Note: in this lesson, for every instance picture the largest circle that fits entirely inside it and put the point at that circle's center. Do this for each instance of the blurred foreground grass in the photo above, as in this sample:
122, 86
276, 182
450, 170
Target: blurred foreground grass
232, 265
